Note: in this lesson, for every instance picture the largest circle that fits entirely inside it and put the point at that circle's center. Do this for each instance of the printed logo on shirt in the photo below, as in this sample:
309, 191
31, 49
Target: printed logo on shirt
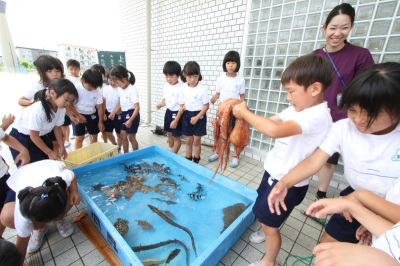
127, 116
93, 117
396, 157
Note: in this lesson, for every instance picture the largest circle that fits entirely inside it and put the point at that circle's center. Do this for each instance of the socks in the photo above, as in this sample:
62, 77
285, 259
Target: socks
196, 160
171, 149
321, 194
189, 158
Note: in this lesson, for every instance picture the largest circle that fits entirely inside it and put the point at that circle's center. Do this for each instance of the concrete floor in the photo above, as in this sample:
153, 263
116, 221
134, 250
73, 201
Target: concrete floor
299, 233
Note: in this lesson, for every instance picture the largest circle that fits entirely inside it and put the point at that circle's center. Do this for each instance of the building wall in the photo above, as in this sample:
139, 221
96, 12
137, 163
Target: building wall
85, 55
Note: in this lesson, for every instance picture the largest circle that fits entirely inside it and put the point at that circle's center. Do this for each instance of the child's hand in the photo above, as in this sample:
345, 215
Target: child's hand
213, 99
23, 156
128, 124
173, 124
277, 197
7, 121
324, 207
101, 126
75, 120
104, 117
239, 109
81, 119
64, 153
182, 109
194, 120
74, 198
158, 106
111, 116
54, 156
364, 236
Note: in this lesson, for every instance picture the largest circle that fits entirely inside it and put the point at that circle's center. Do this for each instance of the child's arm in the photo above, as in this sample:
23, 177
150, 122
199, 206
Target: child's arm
116, 110
59, 137
73, 192
215, 98
22, 245
161, 104
23, 155
41, 145
128, 123
196, 118
71, 116
7, 121
265, 125
75, 112
174, 123
100, 112
24, 102
374, 223
305, 169
242, 99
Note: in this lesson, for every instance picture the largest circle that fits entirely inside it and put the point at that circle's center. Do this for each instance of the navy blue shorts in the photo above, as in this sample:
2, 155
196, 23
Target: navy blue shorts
113, 124
168, 118
294, 197
92, 125
52, 136
233, 122
135, 124
341, 229
6, 193
67, 121
199, 129
35, 153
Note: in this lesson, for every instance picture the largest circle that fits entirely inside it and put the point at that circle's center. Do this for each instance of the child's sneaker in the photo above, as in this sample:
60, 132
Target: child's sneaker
214, 157
235, 162
67, 144
36, 240
257, 237
65, 228
119, 151
73, 137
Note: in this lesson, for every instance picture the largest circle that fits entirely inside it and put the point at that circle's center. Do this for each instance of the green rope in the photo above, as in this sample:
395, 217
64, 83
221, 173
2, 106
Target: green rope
299, 258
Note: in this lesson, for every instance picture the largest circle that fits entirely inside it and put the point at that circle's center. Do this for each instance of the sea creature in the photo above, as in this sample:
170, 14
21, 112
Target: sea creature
79, 216
199, 188
223, 136
169, 214
166, 201
159, 168
150, 262
134, 178
172, 255
130, 189
111, 193
145, 225
183, 178
164, 243
231, 213
196, 197
162, 215
131, 168
97, 187
145, 165
122, 226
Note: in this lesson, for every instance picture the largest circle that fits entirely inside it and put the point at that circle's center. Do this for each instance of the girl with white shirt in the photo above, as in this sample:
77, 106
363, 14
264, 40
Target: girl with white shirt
90, 99
194, 101
35, 123
229, 86
129, 105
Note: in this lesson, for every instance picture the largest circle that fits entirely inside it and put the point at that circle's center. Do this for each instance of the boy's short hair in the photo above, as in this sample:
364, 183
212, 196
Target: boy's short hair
92, 77
231, 56
100, 68
307, 70
171, 68
73, 63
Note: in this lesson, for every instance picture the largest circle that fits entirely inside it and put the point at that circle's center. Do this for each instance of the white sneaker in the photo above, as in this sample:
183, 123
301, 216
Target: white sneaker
73, 137
67, 144
257, 237
65, 228
36, 240
119, 151
214, 157
86, 134
235, 162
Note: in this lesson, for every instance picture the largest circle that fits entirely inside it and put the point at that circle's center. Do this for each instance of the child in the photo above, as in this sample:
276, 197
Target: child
100, 68
171, 94
35, 123
110, 96
379, 216
85, 109
368, 140
74, 68
229, 85
38, 193
194, 101
129, 105
298, 130
9, 254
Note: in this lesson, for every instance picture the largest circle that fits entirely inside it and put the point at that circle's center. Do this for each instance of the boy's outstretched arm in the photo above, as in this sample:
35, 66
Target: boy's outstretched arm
7, 121
305, 169
23, 155
267, 126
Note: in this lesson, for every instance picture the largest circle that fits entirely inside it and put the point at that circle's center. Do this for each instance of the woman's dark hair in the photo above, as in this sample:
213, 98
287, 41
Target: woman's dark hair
191, 68
345, 9
121, 72
308, 69
231, 56
374, 89
73, 63
92, 77
172, 68
45, 203
108, 72
44, 63
59, 86
100, 68
9, 254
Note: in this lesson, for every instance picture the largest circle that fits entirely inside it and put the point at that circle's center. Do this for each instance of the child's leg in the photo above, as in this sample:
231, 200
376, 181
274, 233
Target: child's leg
133, 141
324, 177
110, 136
272, 244
119, 140
79, 142
327, 238
64, 132
104, 136
177, 144
7, 215
170, 140
93, 138
189, 146
197, 148
125, 142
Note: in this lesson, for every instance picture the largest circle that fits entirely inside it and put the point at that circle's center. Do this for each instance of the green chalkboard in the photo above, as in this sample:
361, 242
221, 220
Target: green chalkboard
111, 58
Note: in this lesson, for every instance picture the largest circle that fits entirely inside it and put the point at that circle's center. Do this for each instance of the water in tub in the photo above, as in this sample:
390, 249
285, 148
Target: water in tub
185, 198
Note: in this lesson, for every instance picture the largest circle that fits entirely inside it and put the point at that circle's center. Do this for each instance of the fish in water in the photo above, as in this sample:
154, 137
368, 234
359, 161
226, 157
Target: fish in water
159, 168
134, 178
98, 187
131, 188
199, 189
145, 225
172, 255
183, 178
196, 197
150, 262
122, 226
130, 168
145, 165
166, 201
111, 193
169, 214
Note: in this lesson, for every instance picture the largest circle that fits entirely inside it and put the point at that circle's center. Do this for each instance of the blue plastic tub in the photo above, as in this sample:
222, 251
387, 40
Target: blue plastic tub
208, 254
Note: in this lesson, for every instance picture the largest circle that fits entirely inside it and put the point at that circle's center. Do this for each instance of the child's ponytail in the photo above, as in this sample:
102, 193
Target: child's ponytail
121, 72
183, 77
44, 203
131, 78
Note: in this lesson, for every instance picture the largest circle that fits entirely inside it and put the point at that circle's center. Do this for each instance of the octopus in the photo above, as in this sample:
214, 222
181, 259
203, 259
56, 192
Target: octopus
145, 225
224, 135
130, 189
122, 226
79, 216
134, 178
111, 193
